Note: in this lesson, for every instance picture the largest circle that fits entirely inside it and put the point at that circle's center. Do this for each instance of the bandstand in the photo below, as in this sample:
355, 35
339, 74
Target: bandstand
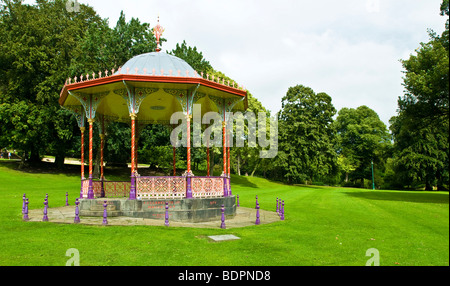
149, 89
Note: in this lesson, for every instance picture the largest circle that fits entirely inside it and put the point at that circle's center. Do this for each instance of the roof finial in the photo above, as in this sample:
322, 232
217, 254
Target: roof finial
158, 31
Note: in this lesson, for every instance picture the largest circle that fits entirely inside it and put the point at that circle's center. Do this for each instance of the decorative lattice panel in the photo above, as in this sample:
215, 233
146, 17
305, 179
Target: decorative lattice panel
116, 189
161, 187
85, 187
97, 187
206, 187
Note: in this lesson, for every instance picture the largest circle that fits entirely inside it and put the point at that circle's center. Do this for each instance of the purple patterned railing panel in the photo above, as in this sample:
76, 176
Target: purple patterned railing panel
206, 187
161, 187
158, 188
97, 186
117, 189
85, 187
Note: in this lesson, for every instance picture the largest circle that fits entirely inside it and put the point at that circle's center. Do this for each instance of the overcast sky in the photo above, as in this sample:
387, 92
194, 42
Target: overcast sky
349, 49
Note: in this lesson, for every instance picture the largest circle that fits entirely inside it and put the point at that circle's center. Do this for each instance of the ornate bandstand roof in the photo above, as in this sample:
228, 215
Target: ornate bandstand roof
158, 63
153, 86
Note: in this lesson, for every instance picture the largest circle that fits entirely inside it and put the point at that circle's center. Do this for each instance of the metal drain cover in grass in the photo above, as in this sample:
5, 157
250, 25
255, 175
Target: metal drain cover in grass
224, 237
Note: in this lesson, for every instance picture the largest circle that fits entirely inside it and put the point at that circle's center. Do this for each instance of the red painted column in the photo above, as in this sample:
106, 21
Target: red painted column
91, 140
228, 155
82, 129
136, 149
133, 157
188, 120
82, 152
133, 143
189, 173
224, 148
229, 166
224, 173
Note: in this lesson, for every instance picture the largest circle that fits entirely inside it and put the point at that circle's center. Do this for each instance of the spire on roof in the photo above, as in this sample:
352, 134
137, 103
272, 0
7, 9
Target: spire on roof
158, 31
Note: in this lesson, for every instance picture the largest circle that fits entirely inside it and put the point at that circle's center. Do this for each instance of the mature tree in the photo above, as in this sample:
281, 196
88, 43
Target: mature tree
346, 165
361, 137
420, 153
37, 47
305, 148
42, 45
105, 48
421, 128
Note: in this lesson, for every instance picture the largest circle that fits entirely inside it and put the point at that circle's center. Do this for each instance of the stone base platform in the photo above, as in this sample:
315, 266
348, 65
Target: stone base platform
180, 210
244, 217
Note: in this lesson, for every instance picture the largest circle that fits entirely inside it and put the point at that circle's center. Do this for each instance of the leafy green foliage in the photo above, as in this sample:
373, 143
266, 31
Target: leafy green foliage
193, 57
421, 129
37, 47
361, 137
44, 44
306, 135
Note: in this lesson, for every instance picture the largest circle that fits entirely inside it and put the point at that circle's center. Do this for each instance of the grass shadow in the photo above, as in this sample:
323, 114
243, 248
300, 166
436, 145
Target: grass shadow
242, 182
414, 197
311, 186
41, 168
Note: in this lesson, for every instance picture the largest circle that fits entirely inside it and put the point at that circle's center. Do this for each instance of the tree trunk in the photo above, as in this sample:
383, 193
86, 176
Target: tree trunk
428, 183
59, 161
60, 156
96, 173
239, 164
440, 182
254, 169
23, 160
34, 155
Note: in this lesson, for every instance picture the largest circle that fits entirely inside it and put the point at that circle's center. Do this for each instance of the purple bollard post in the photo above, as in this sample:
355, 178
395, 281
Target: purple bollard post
258, 221
223, 226
105, 214
23, 203
167, 214
278, 210
256, 202
45, 218
238, 201
67, 199
282, 212
77, 212
25, 212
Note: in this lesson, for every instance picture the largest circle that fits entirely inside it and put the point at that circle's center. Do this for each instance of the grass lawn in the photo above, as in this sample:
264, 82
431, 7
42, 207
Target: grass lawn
323, 226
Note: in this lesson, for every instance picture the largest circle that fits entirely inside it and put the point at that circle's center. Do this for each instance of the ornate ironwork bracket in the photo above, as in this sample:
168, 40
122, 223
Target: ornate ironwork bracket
225, 105
78, 113
134, 96
186, 97
90, 102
